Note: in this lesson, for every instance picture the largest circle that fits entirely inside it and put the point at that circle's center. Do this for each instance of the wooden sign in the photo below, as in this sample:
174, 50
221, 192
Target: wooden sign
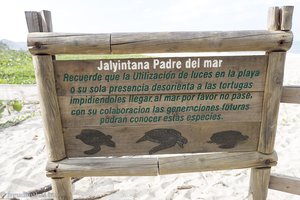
160, 105
127, 107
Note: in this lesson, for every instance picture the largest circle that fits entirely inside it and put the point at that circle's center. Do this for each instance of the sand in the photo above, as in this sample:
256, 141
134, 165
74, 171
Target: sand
23, 159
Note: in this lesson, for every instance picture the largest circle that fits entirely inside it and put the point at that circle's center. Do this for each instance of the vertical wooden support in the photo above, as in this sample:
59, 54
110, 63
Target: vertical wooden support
44, 71
260, 177
259, 183
286, 18
272, 96
50, 110
273, 18
274, 80
62, 188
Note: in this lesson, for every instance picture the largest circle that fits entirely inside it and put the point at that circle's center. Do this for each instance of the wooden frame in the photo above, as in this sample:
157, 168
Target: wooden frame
41, 22
139, 166
171, 42
275, 41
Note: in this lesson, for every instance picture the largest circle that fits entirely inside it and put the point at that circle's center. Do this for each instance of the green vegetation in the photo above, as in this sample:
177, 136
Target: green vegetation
11, 113
15, 66
9, 106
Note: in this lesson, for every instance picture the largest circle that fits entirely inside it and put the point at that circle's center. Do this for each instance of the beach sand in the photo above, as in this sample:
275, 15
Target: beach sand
23, 159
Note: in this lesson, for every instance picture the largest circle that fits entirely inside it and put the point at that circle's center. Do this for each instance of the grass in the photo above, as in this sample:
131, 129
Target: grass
16, 66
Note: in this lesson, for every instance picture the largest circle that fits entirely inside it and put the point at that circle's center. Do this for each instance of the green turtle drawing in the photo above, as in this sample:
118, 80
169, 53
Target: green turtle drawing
227, 139
95, 138
166, 138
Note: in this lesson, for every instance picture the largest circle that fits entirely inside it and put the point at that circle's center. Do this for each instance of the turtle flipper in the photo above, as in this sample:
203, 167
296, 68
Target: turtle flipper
160, 147
94, 150
144, 138
227, 146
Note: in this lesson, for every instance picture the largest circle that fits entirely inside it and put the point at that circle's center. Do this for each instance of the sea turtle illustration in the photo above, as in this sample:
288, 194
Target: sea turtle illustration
166, 138
95, 138
227, 139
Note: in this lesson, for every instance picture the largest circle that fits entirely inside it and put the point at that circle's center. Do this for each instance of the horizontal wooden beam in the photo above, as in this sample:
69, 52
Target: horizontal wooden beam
215, 161
290, 94
159, 42
285, 183
67, 43
103, 166
154, 165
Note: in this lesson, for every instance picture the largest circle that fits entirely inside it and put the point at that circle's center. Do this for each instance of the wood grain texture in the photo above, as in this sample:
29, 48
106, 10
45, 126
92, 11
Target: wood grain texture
46, 21
62, 188
44, 71
199, 41
238, 64
272, 96
259, 182
210, 162
198, 136
39, 21
33, 22
99, 114
286, 17
49, 106
273, 19
158, 42
127, 166
68, 43
158, 165
290, 94
285, 183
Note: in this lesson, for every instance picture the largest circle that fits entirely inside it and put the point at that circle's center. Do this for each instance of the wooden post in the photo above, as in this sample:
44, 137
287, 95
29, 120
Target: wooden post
273, 19
62, 189
259, 183
260, 177
41, 22
259, 189
286, 18
272, 96
285, 183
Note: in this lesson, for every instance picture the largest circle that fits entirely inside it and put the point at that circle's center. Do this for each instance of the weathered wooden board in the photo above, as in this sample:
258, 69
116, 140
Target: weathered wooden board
158, 165
161, 139
160, 109
286, 17
187, 116
290, 94
160, 75
199, 41
49, 106
159, 42
285, 183
105, 166
215, 161
57, 43
271, 102
259, 182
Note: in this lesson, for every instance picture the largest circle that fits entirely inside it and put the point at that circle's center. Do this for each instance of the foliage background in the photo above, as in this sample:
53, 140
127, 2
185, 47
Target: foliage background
15, 66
